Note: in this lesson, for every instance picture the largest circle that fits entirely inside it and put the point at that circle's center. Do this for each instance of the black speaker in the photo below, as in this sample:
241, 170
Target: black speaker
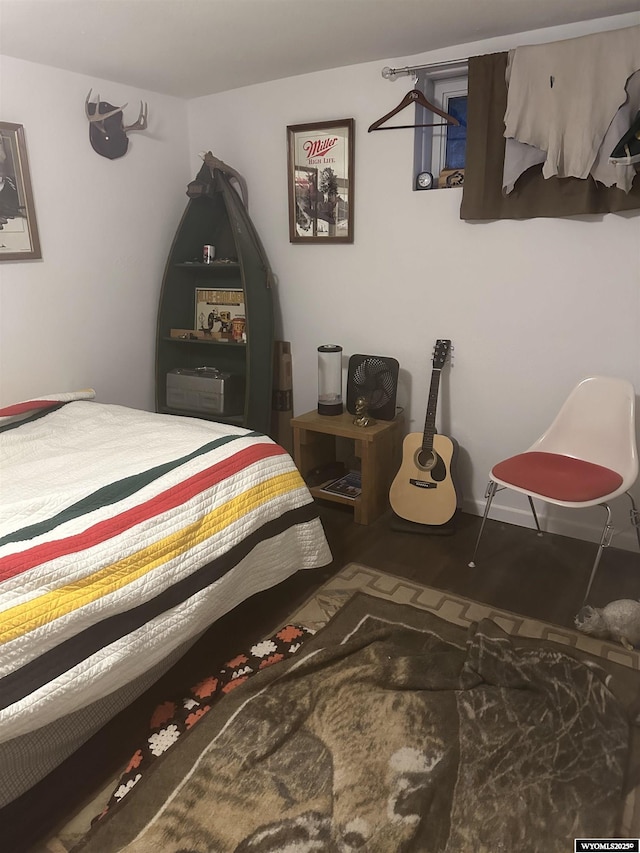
374, 377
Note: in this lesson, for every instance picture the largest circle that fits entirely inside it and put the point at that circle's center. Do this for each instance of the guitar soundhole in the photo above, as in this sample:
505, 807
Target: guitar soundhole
428, 460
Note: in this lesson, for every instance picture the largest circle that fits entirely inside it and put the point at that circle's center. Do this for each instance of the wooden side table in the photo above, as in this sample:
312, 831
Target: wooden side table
379, 448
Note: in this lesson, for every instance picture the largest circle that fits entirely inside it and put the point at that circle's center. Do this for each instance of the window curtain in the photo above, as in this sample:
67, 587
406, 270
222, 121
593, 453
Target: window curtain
533, 195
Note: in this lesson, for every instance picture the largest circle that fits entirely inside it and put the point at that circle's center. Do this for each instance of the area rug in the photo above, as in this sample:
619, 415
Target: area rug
413, 719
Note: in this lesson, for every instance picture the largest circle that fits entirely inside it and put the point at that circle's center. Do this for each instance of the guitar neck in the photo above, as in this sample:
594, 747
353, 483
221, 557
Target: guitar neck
432, 403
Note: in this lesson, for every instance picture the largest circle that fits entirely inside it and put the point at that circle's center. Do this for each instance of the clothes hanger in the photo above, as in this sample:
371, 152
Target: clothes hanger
415, 96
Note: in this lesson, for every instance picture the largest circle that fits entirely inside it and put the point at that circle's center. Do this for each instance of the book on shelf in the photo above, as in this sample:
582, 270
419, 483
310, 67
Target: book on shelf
225, 307
349, 486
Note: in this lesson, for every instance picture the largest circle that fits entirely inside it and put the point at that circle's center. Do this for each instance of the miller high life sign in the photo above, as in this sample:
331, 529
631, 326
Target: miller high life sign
317, 150
319, 180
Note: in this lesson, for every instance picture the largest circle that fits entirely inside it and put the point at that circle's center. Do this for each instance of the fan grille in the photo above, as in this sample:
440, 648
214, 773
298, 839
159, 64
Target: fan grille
375, 378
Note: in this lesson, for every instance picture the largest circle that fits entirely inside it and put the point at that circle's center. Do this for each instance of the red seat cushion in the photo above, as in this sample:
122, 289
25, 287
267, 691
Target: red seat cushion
561, 478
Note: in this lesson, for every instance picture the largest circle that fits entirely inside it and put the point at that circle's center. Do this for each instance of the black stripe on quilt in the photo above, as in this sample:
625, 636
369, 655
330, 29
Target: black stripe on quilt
40, 413
114, 492
54, 662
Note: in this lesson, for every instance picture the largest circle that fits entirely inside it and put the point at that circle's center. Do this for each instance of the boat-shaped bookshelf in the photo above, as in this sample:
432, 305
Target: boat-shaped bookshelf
216, 315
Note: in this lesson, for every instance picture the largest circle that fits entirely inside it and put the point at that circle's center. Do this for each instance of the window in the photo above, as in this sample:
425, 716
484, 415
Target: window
441, 148
456, 137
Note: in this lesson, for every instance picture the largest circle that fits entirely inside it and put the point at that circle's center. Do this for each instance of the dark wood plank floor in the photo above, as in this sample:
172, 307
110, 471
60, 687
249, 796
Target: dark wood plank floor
542, 577
539, 576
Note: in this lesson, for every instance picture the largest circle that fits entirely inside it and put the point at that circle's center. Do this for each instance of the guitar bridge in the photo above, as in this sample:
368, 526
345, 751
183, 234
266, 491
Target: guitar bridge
423, 484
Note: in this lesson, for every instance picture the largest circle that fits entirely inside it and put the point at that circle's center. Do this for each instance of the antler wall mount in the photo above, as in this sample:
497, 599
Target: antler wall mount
107, 130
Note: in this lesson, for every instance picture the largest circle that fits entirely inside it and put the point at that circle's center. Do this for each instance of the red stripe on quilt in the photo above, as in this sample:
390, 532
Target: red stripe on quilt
15, 564
28, 406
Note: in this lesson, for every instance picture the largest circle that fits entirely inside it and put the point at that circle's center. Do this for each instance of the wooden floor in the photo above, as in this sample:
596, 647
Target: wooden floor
516, 569
542, 577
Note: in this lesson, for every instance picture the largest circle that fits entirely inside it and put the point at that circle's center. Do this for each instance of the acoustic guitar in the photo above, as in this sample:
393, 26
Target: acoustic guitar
423, 490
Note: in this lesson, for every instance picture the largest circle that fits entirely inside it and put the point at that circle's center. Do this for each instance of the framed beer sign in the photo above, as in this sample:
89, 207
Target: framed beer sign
320, 160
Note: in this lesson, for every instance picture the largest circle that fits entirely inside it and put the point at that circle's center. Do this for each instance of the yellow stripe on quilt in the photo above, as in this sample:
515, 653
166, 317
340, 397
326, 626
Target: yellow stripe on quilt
23, 618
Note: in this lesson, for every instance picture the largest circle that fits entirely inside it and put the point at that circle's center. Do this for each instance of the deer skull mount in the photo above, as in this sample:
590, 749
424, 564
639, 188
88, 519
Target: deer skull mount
107, 131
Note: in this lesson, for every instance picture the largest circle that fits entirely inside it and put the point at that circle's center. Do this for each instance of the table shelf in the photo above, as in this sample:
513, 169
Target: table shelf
378, 447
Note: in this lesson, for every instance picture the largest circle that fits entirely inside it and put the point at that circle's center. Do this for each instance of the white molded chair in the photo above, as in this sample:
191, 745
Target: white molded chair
587, 457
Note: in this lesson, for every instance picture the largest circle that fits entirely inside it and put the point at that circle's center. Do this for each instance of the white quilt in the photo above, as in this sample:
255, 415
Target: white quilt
124, 533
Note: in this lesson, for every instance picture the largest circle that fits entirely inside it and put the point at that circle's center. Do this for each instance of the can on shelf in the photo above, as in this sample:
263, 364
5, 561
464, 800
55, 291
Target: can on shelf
208, 254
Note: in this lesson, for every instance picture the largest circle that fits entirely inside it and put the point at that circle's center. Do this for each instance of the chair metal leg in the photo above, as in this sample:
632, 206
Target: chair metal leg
635, 518
605, 541
491, 490
605, 538
535, 516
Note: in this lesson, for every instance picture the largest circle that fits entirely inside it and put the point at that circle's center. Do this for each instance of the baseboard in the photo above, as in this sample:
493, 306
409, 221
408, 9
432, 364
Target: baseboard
583, 524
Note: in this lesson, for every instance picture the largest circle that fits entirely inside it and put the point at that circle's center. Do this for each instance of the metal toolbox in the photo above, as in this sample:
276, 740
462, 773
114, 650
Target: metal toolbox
205, 389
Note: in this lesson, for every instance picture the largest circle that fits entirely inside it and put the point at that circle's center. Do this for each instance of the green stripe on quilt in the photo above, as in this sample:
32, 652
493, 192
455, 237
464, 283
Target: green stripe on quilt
115, 492
34, 416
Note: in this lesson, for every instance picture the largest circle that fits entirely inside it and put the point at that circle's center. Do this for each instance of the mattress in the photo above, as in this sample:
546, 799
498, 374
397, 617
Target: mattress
123, 535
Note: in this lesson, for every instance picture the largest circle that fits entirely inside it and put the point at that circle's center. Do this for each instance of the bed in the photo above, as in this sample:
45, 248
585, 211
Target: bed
124, 535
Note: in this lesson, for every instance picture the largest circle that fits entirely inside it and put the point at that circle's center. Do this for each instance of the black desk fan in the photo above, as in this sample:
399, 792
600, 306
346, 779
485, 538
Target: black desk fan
374, 377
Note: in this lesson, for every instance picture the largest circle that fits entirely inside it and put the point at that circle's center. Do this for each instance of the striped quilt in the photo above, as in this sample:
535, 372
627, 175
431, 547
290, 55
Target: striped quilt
124, 533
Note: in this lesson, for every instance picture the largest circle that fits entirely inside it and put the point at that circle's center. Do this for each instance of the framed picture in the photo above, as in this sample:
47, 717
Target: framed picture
220, 314
18, 229
321, 168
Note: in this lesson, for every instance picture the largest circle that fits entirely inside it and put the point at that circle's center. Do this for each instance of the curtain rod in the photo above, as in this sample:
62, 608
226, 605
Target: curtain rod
392, 73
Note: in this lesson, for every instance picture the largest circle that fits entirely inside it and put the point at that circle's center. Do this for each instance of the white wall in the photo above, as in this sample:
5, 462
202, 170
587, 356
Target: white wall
85, 314
531, 307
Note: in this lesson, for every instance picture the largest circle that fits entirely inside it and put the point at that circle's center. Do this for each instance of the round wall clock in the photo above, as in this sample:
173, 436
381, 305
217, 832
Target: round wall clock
424, 181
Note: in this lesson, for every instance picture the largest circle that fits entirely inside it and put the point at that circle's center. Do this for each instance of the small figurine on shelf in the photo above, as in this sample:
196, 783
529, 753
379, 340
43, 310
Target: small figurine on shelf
224, 318
362, 418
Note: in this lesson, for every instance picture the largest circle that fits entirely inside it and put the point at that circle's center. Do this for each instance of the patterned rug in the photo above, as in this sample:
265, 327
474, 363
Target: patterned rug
329, 601
354, 577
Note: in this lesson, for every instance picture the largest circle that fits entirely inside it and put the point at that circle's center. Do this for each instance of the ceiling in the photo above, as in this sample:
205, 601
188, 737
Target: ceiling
190, 48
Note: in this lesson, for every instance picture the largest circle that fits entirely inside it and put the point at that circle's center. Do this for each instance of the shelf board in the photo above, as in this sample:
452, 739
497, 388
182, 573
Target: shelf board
233, 420
319, 492
233, 265
205, 341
